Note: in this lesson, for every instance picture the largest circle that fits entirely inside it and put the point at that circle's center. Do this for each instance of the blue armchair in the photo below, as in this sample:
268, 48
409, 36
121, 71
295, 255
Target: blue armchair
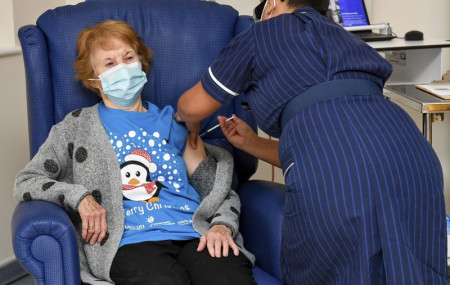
185, 36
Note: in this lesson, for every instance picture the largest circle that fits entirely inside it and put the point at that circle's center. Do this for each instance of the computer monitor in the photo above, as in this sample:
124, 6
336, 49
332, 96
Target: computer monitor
353, 13
349, 13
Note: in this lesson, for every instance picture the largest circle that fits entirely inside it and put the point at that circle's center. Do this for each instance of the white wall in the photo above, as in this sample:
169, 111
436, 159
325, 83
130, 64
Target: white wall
26, 11
403, 14
432, 17
6, 24
244, 7
14, 142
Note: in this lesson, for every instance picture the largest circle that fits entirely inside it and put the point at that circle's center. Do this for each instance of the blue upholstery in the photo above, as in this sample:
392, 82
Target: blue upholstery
45, 242
185, 37
261, 217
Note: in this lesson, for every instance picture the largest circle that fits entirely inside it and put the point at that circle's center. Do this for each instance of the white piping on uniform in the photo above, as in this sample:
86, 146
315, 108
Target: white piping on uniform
287, 169
220, 84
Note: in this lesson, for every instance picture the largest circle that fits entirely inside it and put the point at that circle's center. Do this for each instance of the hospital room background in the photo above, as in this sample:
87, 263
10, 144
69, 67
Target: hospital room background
430, 17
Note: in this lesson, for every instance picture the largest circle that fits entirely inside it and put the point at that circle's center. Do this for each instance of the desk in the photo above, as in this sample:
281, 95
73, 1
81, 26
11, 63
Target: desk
419, 101
420, 62
413, 61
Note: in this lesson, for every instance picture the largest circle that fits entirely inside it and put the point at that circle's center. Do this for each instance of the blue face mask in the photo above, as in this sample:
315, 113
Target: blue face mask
123, 83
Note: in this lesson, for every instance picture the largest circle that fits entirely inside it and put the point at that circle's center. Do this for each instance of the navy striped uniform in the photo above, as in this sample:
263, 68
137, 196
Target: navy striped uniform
364, 201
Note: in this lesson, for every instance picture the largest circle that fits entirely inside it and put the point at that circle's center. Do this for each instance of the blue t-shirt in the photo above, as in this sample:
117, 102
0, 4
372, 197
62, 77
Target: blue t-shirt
158, 201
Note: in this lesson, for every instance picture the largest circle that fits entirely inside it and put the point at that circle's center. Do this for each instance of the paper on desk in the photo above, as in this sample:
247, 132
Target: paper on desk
437, 88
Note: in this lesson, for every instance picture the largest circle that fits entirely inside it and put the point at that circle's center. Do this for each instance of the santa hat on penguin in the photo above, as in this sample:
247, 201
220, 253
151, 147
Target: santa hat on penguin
143, 157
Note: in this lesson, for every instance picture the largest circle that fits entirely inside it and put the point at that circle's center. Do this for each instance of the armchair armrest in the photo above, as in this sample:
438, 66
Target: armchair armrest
262, 205
45, 243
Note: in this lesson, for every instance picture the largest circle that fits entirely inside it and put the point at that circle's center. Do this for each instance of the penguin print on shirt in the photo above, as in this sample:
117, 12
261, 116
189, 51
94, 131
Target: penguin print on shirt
136, 173
158, 201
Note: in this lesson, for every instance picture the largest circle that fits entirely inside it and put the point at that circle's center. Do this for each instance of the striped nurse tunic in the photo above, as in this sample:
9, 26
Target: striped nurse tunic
364, 201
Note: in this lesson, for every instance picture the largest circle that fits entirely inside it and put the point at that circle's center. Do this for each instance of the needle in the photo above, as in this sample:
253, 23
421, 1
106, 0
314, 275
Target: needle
215, 127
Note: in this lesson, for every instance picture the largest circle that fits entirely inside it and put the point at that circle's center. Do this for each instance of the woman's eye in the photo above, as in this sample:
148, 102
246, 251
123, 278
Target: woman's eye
109, 64
128, 59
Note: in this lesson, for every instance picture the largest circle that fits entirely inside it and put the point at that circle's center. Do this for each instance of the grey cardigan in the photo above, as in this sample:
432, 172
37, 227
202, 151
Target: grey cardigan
77, 160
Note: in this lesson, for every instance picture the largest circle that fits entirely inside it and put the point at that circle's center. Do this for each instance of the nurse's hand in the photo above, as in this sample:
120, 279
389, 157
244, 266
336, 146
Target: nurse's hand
194, 130
237, 132
218, 240
93, 220
242, 136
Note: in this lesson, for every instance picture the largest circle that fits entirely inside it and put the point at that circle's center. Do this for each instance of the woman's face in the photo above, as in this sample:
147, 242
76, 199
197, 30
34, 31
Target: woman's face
104, 58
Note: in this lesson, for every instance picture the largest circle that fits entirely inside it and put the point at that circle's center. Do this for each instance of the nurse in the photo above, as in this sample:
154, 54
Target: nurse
364, 201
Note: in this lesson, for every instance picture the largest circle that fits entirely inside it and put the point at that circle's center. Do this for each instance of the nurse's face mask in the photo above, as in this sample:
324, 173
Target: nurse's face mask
258, 12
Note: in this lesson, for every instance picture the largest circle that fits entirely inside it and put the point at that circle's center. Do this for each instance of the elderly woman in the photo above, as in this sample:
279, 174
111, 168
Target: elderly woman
145, 204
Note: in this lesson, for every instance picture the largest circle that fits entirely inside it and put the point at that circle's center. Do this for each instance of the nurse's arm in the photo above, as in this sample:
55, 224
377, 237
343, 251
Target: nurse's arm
264, 149
193, 106
242, 136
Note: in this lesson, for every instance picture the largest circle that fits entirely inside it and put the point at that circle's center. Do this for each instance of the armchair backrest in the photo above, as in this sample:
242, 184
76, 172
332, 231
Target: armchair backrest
184, 35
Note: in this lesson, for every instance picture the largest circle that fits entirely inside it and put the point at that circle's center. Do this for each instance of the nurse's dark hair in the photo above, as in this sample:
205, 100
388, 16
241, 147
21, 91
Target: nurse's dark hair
319, 5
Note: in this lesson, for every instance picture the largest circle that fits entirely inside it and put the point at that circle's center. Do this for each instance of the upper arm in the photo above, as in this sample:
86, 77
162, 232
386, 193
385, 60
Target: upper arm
193, 157
46, 176
232, 71
228, 76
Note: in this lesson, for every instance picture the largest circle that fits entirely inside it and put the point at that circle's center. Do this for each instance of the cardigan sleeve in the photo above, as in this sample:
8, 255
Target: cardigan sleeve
48, 175
212, 180
203, 177
228, 213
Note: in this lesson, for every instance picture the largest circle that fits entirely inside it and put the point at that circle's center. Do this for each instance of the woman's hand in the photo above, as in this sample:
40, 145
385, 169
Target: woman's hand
218, 240
237, 132
93, 220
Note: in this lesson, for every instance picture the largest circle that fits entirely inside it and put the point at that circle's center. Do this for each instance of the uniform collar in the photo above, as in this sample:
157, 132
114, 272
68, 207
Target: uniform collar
305, 9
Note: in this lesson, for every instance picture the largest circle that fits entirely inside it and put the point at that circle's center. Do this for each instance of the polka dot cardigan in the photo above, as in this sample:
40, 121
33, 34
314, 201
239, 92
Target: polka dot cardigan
77, 160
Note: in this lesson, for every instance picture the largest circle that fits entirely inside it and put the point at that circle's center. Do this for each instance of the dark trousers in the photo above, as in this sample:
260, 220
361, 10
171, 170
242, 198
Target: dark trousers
177, 262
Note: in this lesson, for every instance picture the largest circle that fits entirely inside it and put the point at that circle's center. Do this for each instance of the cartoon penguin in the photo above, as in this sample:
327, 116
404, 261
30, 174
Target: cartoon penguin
136, 182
